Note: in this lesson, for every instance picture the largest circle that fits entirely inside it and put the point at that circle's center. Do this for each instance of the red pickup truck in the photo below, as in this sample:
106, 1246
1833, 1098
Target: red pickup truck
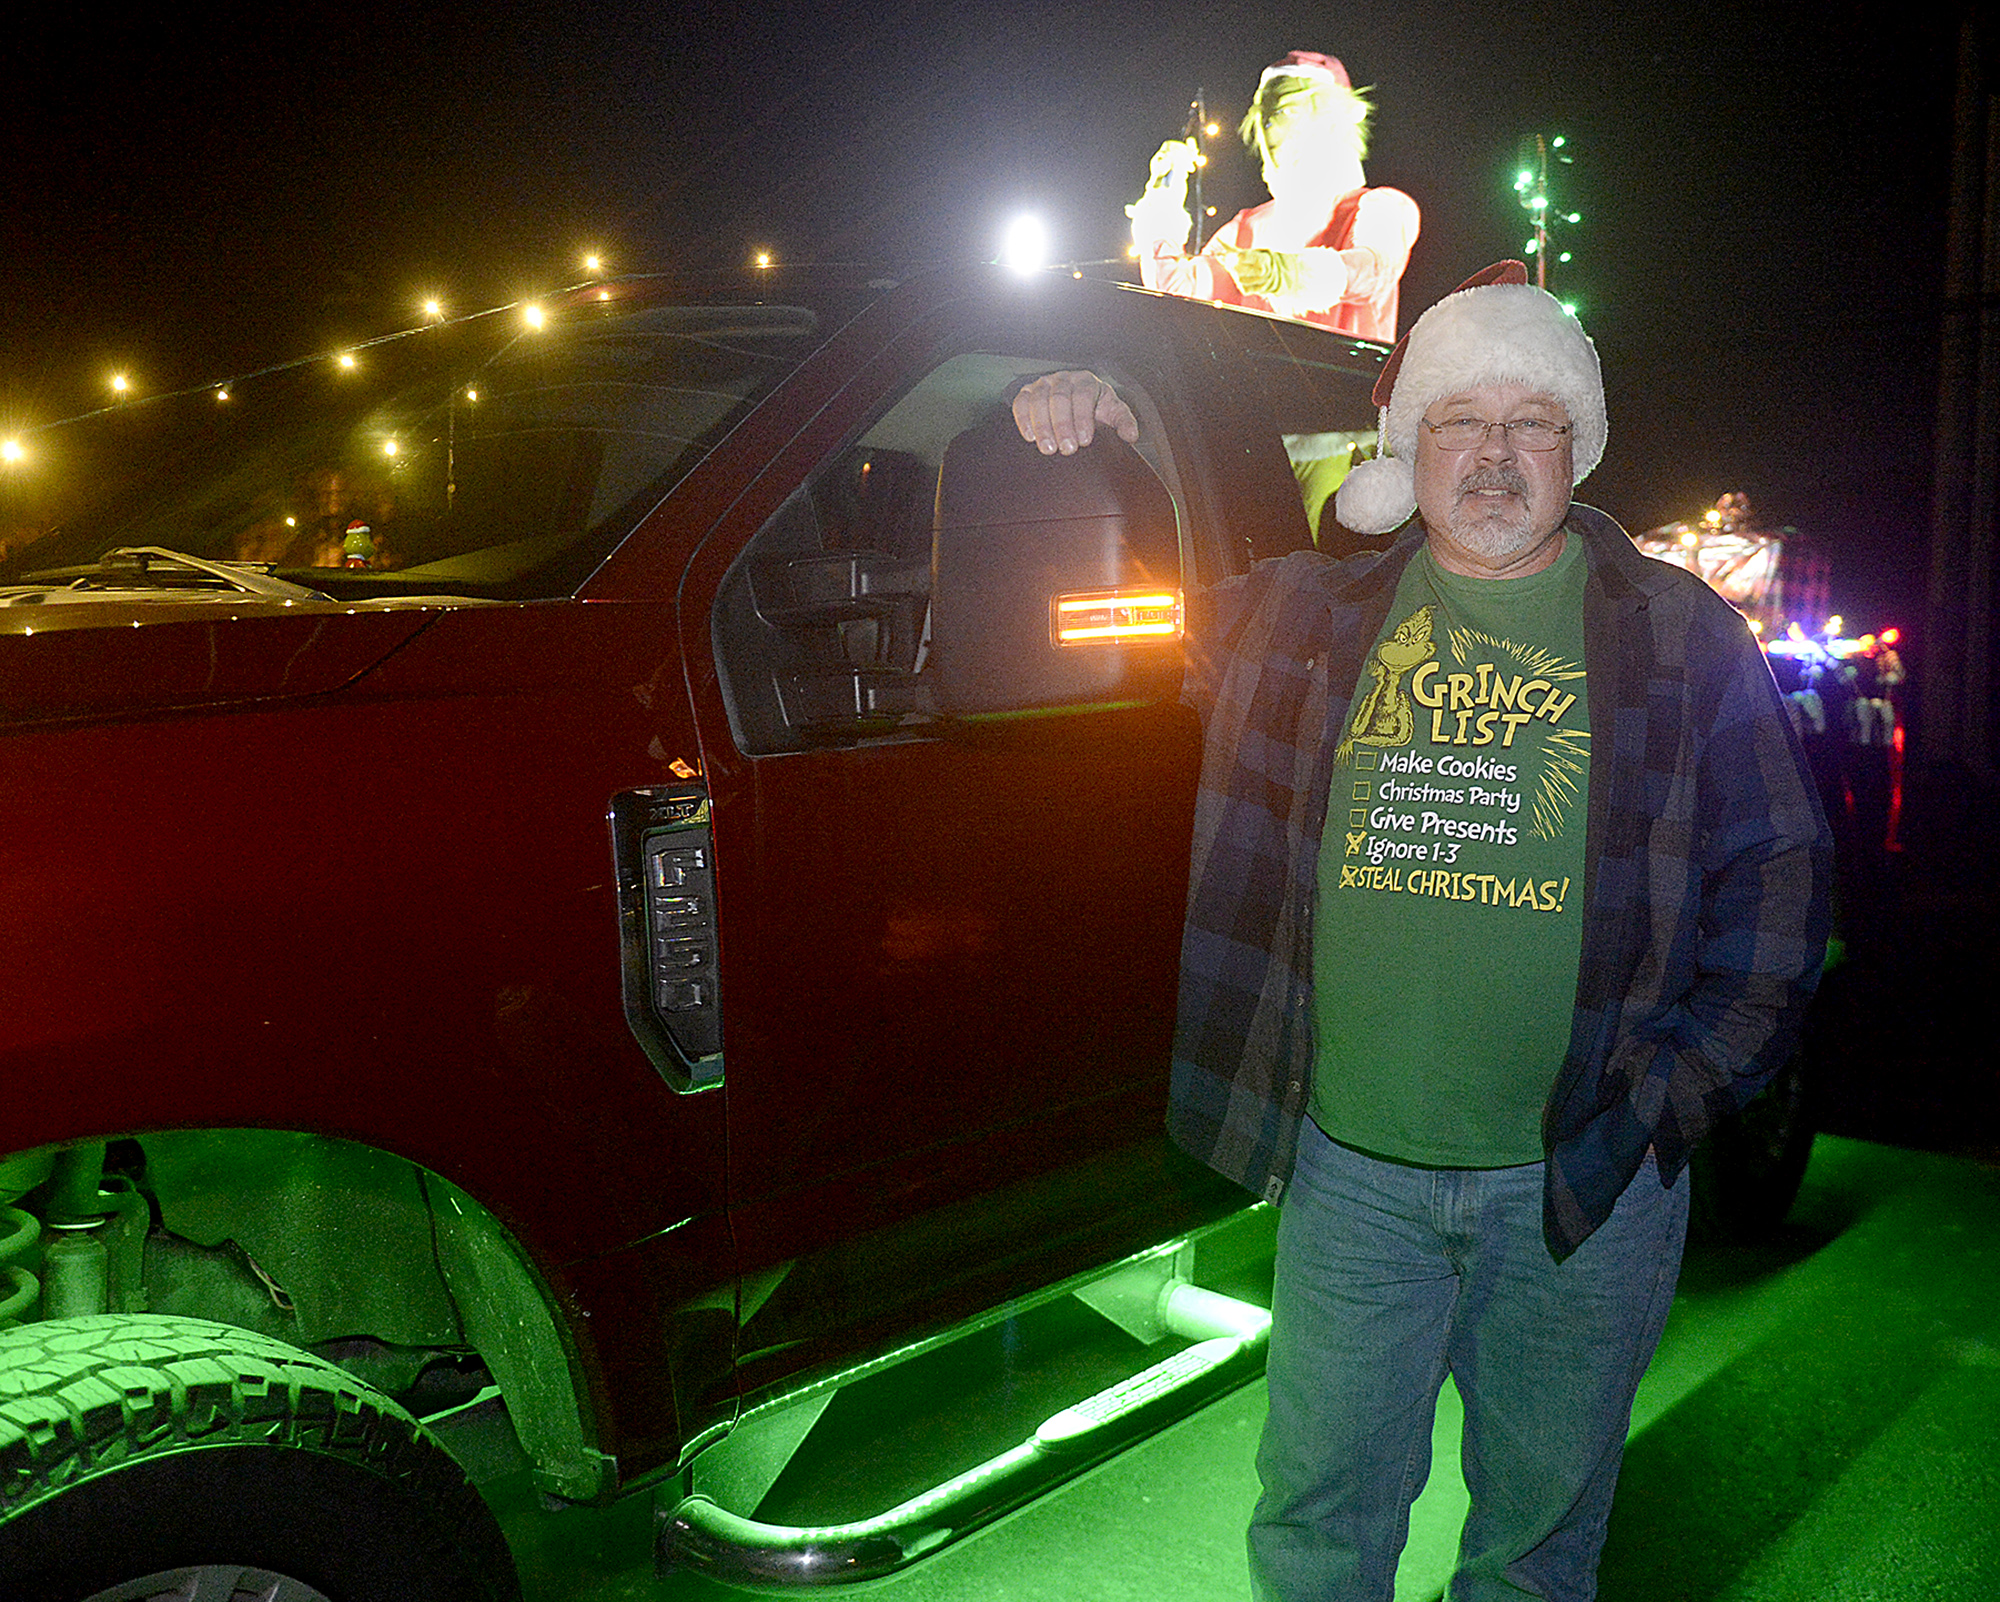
620, 873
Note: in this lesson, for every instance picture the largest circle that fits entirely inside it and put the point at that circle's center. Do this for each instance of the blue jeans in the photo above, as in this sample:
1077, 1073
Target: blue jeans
1390, 1277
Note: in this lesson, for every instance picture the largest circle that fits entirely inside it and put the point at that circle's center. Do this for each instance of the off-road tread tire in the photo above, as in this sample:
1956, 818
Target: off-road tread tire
85, 1402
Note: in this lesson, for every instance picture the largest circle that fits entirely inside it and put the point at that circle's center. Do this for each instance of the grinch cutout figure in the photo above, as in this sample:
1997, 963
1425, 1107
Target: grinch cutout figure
1325, 248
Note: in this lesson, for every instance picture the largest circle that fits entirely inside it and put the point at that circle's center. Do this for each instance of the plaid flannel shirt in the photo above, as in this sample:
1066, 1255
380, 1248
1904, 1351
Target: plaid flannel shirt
1707, 869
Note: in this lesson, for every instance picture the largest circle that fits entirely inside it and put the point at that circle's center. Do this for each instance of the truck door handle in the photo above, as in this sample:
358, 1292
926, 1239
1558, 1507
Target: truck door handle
664, 856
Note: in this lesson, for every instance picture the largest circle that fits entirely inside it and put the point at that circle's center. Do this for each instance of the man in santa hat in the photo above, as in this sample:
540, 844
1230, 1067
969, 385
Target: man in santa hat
1325, 248
1509, 881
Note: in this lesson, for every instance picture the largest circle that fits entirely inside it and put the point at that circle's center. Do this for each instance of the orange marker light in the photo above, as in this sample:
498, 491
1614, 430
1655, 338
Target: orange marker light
1114, 617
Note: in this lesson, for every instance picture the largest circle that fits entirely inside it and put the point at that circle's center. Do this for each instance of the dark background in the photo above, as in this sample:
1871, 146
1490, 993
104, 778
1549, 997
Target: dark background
193, 195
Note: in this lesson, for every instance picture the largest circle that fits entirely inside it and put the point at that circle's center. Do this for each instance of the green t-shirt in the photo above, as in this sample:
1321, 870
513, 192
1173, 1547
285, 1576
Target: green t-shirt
1450, 912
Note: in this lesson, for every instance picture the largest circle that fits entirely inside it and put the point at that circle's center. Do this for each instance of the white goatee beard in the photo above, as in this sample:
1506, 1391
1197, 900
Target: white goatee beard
1487, 536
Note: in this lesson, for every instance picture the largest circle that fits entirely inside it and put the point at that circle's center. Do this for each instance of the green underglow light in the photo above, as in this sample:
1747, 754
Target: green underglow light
915, 1507
1818, 1423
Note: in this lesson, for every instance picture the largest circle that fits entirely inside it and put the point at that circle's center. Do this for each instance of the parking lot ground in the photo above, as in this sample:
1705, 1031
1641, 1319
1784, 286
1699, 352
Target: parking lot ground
1821, 1423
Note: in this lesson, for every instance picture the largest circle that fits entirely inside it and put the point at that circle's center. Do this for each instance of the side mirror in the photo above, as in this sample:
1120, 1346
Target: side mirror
1056, 580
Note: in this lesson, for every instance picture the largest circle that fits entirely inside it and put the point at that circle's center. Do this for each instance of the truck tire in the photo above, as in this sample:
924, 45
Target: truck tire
206, 1461
1746, 1173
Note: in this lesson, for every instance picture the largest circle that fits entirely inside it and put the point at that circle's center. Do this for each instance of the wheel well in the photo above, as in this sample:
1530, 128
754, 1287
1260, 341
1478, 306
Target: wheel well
337, 1246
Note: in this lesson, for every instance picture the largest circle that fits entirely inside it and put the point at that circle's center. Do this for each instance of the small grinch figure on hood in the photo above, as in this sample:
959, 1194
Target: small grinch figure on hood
1325, 247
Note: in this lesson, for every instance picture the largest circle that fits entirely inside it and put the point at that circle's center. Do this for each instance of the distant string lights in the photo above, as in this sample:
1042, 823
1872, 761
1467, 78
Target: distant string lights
14, 448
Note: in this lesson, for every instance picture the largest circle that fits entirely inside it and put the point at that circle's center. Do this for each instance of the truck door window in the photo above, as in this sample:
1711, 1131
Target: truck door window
1323, 412
826, 626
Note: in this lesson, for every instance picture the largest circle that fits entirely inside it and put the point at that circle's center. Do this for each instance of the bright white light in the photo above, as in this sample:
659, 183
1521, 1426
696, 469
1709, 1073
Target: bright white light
12, 451
533, 316
433, 308
1026, 247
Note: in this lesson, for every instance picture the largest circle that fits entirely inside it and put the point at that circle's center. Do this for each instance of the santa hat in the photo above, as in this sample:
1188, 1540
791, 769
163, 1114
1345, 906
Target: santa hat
1307, 64
1493, 329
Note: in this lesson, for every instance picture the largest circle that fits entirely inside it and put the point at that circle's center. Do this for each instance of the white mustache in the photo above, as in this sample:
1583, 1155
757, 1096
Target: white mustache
1505, 478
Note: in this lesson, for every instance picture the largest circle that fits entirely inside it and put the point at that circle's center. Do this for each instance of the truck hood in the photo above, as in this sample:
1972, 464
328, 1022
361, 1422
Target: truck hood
120, 653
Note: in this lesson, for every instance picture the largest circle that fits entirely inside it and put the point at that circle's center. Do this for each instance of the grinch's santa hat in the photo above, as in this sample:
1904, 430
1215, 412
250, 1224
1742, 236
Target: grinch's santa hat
1308, 64
1493, 329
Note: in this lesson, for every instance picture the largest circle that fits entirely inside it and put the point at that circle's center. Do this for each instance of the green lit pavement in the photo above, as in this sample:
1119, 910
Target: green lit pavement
1822, 1423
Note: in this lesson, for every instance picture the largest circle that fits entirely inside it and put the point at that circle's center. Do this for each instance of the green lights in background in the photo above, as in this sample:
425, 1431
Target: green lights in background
1546, 216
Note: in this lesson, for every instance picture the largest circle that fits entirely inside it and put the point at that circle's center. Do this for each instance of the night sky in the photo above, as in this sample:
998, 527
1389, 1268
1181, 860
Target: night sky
1762, 188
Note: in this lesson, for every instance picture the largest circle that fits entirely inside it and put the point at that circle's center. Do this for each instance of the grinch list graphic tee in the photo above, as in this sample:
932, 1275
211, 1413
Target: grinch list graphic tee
1450, 908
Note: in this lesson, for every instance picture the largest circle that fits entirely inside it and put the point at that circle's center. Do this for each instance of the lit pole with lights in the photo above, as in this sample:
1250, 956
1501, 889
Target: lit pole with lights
1531, 184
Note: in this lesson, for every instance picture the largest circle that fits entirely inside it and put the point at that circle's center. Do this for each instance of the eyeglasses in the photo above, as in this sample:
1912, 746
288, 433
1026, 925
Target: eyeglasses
1523, 433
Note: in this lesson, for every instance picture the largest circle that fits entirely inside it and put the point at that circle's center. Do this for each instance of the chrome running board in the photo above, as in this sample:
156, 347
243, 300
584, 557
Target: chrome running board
1230, 1337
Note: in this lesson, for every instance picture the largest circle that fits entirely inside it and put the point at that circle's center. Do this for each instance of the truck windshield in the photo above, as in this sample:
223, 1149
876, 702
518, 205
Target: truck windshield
486, 457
